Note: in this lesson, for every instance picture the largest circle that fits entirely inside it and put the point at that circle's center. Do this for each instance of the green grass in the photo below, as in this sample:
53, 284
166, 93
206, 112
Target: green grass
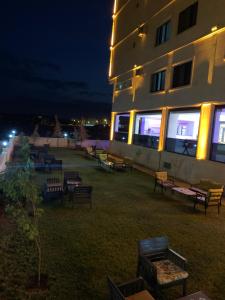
82, 246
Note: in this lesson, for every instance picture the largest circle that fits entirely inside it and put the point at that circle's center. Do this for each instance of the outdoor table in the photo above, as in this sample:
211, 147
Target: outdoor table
197, 190
184, 191
196, 296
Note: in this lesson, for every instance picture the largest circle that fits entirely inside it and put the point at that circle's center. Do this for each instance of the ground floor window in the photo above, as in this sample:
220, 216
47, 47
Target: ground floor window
182, 133
218, 139
121, 127
147, 129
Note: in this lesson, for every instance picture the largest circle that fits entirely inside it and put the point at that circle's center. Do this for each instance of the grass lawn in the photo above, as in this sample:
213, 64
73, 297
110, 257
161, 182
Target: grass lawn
82, 246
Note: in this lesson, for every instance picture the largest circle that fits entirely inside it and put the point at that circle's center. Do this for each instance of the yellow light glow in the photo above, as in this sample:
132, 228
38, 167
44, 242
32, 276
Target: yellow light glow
163, 129
115, 7
214, 28
206, 112
113, 115
131, 127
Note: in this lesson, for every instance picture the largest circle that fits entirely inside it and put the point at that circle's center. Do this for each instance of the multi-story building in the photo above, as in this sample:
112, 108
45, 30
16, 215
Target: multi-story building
167, 66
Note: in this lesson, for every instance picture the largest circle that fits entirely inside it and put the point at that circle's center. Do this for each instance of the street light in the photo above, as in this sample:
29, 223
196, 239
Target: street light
65, 135
10, 135
4, 143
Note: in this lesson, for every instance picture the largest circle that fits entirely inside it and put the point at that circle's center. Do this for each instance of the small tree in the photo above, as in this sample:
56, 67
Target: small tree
23, 199
57, 133
35, 133
83, 132
24, 148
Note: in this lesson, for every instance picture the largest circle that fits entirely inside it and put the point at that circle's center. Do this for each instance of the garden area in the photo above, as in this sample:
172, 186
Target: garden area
80, 246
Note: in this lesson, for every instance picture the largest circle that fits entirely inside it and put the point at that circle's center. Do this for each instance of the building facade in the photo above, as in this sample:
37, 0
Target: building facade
167, 67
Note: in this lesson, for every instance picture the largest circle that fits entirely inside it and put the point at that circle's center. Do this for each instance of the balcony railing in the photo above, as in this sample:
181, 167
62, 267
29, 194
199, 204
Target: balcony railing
146, 141
121, 136
185, 147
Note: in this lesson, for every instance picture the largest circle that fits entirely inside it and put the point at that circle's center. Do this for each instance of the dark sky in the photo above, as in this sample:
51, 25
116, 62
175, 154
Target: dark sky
54, 55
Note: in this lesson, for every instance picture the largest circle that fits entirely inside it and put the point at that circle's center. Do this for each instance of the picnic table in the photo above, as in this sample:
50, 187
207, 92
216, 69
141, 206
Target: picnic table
196, 296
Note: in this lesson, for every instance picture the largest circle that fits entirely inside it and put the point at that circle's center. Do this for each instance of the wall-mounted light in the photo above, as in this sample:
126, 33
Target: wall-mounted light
141, 31
214, 28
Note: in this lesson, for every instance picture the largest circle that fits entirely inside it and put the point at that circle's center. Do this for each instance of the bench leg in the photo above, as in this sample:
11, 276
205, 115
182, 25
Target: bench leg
184, 287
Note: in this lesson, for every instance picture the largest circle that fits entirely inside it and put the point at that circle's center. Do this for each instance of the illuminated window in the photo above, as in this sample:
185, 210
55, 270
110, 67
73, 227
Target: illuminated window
182, 133
163, 33
121, 127
147, 129
188, 17
218, 139
182, 74
158, 81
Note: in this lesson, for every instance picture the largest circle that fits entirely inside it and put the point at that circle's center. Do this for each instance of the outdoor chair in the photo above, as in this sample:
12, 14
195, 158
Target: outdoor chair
162, 180
132, 290
98, 152
212, 198
71, 179
81, 195
89, 152
160, 266
53, 189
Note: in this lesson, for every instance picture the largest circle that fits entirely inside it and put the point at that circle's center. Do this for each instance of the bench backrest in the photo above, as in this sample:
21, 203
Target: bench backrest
163, 176
214, 195
102, 156
153, 245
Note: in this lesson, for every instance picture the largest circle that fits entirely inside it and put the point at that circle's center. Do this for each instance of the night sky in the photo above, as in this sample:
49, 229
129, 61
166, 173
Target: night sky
54, 56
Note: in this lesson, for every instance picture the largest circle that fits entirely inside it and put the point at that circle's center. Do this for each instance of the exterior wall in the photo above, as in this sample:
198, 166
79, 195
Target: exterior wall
5, 156
198, 43
204, 46
185, 168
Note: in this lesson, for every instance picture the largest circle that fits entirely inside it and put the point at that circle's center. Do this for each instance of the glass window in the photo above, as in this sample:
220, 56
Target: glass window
123, 85
121, 127
182, 74
158, 81
188, 17
218, 139
147, 129
163, 33
182, 133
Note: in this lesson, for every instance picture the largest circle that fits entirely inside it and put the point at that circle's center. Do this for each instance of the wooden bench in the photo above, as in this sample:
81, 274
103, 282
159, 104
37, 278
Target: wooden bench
81, 195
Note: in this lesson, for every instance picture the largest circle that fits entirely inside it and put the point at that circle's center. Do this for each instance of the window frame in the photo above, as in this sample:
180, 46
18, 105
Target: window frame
191, 74
181, 20
220, 106
161, 41
152, 80
151, 112
182, 109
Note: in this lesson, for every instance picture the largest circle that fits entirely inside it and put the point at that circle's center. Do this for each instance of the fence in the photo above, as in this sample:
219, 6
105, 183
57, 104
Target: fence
68, 143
